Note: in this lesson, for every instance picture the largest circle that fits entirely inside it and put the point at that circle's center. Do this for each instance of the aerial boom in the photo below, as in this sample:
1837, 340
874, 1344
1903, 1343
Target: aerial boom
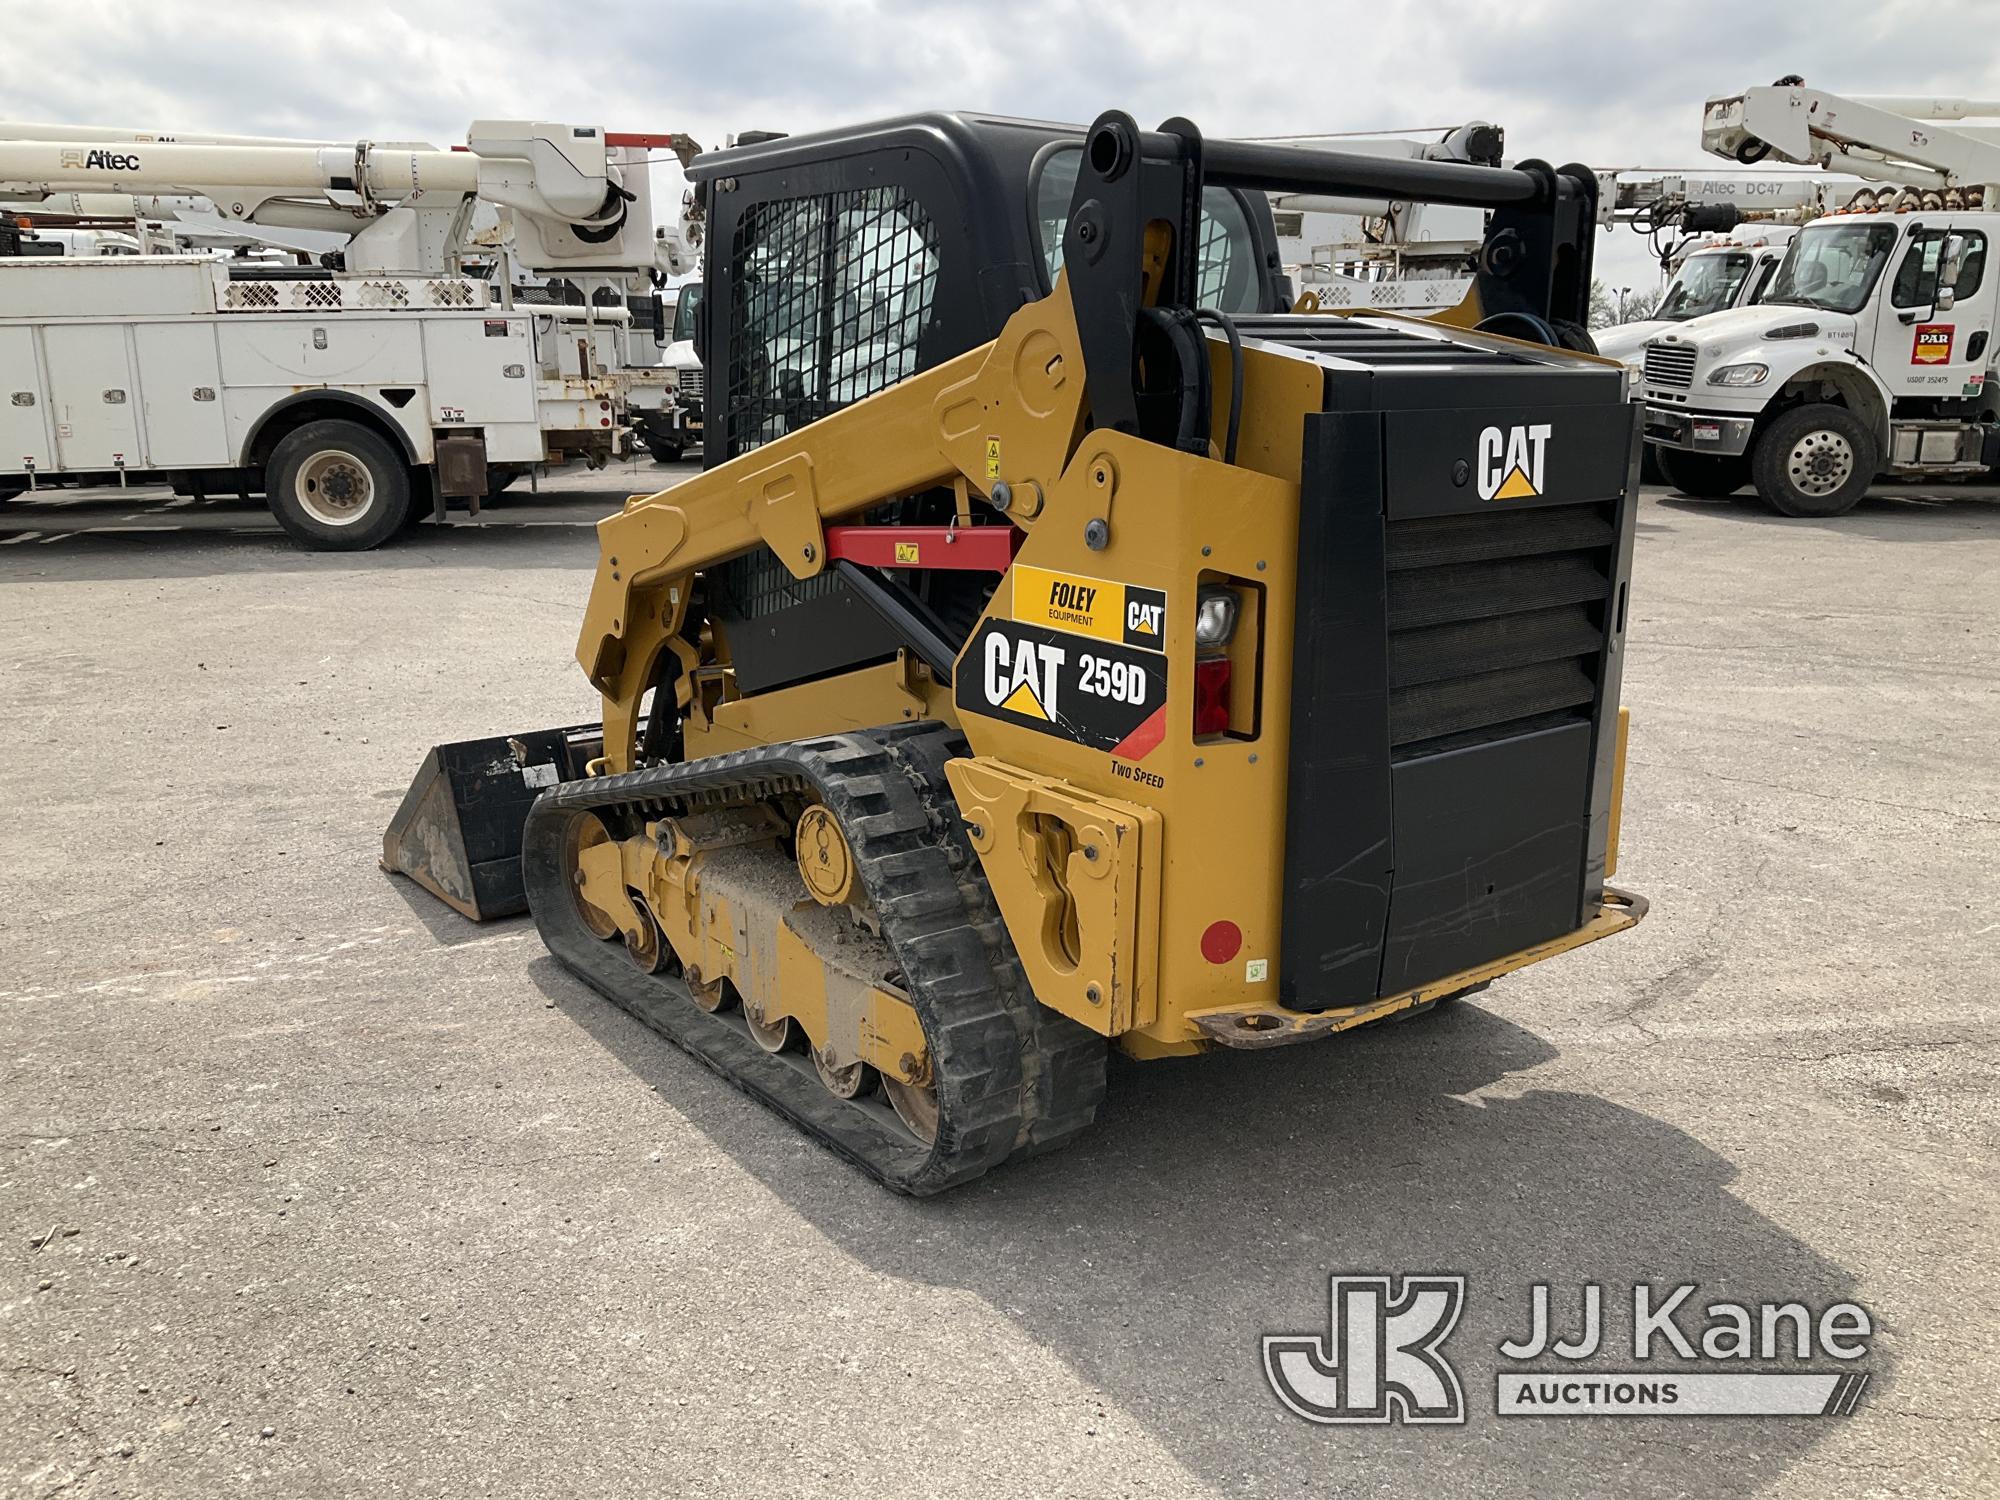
1883, 138
579, 196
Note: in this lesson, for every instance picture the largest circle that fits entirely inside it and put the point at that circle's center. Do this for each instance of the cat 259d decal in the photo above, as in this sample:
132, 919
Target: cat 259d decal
1072, 686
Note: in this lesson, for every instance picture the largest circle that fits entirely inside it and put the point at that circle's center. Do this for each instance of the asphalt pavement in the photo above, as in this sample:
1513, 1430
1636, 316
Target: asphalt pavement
310, 1188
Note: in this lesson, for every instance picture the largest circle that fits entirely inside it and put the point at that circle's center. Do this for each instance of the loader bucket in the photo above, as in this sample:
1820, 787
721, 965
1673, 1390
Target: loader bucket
458, 831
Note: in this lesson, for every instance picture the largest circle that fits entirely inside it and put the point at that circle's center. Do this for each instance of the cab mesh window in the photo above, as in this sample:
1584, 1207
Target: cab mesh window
831, 296
1216, 256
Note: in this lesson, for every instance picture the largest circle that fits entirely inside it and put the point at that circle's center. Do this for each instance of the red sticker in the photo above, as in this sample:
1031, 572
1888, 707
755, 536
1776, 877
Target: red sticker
1933, 345
1221, 942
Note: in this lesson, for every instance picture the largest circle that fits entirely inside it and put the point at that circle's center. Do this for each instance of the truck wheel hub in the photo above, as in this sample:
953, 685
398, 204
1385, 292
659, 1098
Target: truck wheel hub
1820, 462
334, 488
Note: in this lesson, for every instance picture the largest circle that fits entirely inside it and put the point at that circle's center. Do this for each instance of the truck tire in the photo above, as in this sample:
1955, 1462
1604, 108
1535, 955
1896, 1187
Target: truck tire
1706, 476
336, 486
1814, 460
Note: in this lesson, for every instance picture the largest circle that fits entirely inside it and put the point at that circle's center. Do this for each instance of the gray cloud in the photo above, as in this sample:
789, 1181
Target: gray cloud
1570, 79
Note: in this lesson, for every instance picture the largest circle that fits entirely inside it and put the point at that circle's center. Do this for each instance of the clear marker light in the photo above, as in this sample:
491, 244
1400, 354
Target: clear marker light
1215, 618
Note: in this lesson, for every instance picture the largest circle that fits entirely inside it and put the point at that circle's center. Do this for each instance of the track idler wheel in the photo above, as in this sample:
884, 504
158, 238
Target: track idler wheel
587, 832
916, 1105
645, 947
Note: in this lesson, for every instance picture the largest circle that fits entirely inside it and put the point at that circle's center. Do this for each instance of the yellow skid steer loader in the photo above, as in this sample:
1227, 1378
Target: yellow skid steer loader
1070, 643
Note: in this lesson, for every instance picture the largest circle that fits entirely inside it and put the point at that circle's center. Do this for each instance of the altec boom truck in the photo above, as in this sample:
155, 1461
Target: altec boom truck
348, 396
1719, 236
1872, 350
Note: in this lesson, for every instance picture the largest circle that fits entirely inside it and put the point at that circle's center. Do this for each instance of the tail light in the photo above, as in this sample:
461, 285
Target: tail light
1217, 607
1211, 696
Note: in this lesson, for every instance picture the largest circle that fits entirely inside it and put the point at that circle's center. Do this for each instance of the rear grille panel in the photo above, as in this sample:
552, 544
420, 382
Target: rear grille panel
1496, 620
1670, 365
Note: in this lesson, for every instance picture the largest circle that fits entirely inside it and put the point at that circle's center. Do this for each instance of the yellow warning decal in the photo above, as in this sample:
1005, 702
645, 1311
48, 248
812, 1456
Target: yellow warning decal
1127, 613
1515, 487
908, 552
993, 458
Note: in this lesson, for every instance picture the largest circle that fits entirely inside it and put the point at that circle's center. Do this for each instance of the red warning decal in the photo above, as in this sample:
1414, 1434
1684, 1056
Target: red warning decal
1933, 345
1144, 740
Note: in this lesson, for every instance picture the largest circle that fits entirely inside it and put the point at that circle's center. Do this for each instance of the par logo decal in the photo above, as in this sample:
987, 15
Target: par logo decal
1512, 462
1108, 697
1099, 607
1933, 344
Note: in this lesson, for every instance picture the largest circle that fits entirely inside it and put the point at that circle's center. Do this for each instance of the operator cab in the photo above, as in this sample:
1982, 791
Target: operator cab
856, 258
846, 261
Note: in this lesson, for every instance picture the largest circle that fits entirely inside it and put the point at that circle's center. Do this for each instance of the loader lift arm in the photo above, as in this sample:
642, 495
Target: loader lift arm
926, 431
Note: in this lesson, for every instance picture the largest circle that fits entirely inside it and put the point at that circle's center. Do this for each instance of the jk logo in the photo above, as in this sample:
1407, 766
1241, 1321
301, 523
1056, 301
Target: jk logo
1382, 1361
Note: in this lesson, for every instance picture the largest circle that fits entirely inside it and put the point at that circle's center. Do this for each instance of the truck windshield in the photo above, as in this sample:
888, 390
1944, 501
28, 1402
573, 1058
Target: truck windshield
1834, 266
1706, 284
685, 310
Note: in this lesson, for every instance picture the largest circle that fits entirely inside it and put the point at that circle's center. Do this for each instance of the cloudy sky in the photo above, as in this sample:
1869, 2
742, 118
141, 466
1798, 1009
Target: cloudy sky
1607, 83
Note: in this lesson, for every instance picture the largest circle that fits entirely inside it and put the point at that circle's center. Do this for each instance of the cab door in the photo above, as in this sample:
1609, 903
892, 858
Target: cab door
1921, 348
1761, 272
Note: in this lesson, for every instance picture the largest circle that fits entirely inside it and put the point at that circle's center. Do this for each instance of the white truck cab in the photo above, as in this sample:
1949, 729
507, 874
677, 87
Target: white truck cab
1870, 353
1719, 274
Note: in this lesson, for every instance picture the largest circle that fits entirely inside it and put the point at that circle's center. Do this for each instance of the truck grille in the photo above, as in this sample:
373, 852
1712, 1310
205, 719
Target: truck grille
690, 382
1496, 620
1670, 364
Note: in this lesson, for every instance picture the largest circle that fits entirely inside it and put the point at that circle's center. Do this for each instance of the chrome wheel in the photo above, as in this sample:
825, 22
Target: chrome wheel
334, 488
1820, 462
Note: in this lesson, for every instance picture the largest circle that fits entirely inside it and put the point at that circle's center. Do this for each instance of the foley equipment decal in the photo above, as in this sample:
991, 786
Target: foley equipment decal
1096, 607
1106, 696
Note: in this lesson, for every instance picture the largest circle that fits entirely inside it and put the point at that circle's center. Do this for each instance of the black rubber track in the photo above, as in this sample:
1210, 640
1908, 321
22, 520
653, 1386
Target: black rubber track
1012, 1077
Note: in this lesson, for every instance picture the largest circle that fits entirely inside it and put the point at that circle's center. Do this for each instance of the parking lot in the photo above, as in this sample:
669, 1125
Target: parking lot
309, 1185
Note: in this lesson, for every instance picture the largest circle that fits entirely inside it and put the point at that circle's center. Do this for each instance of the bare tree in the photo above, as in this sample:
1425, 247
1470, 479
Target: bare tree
1603, 306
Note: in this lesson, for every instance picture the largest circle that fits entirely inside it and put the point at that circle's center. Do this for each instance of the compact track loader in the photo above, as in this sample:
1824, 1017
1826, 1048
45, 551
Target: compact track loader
1070, 642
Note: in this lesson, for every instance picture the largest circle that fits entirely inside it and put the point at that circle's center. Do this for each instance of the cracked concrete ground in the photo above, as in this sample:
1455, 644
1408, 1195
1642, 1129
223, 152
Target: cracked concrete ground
344, 1196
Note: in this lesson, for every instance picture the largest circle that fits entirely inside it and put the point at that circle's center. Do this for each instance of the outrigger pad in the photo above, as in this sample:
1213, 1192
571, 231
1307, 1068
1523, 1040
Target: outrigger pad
458, 831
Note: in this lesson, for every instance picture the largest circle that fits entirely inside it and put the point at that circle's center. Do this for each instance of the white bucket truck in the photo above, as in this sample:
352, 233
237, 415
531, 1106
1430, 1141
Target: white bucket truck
353, 398
1872, 352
